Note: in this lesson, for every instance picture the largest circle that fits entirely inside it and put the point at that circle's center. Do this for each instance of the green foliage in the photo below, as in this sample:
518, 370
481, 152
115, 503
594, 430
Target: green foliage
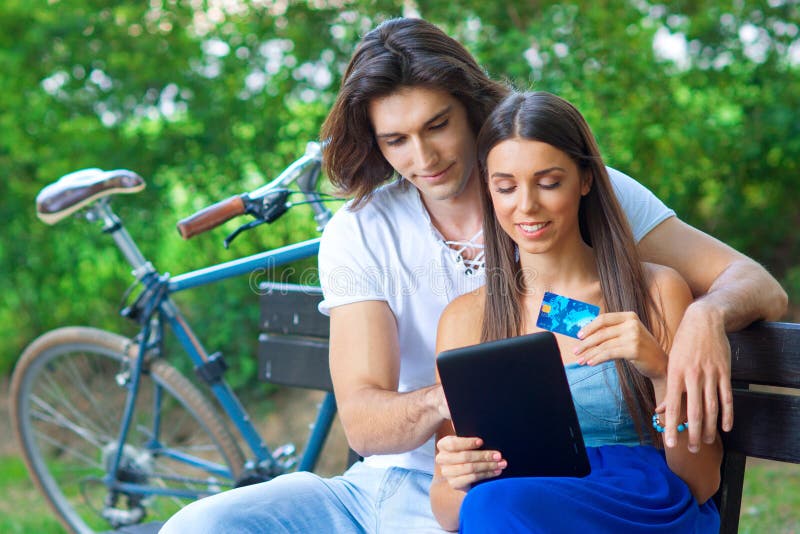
210, 99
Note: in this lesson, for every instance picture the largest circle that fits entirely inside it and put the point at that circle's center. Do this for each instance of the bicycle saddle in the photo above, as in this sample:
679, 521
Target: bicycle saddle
75, 190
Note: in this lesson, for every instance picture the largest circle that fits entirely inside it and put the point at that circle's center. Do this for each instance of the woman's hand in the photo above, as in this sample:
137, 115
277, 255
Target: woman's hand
621, 335
462, 464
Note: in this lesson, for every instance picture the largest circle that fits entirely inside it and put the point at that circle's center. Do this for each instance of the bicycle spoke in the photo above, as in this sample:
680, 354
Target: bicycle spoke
59, 420
78, 380
64, 448
69, 406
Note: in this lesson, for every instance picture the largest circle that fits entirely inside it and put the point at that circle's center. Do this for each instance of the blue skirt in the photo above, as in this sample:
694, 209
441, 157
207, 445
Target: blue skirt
630, 490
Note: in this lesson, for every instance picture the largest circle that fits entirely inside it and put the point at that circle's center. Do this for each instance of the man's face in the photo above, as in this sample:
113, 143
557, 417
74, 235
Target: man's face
425, 135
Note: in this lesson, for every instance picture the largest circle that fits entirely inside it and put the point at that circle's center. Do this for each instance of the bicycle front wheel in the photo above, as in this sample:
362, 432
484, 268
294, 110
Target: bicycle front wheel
68, 394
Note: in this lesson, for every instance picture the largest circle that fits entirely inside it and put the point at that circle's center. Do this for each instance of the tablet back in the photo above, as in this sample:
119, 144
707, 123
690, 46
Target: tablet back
514, 394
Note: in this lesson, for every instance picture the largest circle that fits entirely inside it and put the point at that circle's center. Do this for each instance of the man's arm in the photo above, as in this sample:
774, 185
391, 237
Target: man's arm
731, 291
365, 369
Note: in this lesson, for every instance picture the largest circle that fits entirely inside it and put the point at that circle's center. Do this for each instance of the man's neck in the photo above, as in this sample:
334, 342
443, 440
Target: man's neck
458, 218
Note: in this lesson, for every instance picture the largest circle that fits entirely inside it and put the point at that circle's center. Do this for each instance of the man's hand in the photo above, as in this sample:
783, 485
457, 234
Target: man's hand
699, 367
733, 291
440, 401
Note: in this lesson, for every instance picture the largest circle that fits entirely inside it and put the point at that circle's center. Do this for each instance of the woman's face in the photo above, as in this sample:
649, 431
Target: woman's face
536, 191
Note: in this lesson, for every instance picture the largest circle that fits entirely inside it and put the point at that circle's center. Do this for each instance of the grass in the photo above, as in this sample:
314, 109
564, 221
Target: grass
770, 498
771, 501
22, 508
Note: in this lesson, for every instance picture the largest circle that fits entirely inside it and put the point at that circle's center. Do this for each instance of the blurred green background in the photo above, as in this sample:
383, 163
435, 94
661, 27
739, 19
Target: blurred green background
699, 100
209, 98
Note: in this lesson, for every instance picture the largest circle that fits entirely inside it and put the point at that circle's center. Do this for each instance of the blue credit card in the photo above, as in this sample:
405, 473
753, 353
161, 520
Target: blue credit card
564, 315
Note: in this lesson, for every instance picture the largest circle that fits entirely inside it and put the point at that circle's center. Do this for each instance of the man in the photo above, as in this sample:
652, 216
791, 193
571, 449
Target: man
411, 103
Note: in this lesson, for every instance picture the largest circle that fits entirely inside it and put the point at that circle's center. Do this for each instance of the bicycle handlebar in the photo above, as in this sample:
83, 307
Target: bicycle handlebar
268, 202
212, 216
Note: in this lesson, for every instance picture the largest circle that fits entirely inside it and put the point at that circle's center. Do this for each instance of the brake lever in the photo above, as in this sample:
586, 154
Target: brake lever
265, 210
233, 235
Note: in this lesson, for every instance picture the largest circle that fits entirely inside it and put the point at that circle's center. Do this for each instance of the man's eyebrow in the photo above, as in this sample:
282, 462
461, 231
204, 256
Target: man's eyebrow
428, 122
541, 172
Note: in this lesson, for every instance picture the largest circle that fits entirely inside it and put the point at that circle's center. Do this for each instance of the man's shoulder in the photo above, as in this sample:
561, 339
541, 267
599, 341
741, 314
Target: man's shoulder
382, 218
389, 202
621, 181
391, 197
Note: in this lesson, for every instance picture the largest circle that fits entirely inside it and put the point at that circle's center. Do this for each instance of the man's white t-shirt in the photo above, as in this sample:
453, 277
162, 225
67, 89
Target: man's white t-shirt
390, 251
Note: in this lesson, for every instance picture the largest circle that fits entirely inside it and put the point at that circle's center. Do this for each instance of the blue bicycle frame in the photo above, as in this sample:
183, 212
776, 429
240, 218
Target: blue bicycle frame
157, 291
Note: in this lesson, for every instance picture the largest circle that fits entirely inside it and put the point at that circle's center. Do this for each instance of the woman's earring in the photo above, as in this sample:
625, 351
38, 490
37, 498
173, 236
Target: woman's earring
516, 253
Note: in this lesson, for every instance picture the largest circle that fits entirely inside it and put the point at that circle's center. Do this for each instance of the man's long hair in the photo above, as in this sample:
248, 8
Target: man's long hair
399, 53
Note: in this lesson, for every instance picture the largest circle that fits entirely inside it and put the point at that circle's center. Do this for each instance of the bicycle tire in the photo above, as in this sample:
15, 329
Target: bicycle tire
66, 411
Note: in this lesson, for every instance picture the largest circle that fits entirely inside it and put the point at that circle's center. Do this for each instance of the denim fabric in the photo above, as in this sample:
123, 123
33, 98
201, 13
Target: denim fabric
602, 413
364, 500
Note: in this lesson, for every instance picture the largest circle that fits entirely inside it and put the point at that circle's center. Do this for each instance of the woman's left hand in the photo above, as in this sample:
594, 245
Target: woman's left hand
621, 335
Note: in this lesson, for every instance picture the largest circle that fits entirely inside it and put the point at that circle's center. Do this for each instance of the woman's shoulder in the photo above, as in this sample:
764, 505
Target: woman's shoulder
666, 284
461, 321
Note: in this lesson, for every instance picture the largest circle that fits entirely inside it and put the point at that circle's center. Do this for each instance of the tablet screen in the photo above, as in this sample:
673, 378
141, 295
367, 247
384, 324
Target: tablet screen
513, 394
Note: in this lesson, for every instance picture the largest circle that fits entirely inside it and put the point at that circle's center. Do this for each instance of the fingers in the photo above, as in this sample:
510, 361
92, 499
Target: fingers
609, 336
671, 406
599, 322
676, 386
726, 399
461, 464
454, 444
694, 412
705, 397
461, 476
609, 350
596, 337
711, 410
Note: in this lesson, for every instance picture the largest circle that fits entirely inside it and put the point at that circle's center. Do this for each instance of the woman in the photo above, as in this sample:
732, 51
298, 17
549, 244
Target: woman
552, 223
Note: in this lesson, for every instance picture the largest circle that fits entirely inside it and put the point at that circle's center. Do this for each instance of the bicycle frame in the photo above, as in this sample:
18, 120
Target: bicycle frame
158, 288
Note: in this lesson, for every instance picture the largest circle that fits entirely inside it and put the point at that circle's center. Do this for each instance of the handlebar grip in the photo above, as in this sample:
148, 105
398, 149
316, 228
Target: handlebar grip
211, 217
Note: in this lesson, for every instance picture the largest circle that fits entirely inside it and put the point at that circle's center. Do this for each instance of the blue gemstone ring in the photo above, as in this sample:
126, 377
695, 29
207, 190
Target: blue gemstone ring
660, 428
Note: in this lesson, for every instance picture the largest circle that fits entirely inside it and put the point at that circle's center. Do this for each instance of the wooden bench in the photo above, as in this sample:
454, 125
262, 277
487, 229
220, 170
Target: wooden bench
293, 343
293, 351
766, 419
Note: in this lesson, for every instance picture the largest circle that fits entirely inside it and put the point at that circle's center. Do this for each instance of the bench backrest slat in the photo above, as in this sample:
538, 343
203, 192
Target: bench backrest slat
766, 425
293, 345
292, 309
767, 353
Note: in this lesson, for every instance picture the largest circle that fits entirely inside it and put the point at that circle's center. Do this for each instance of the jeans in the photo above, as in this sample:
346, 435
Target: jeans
363, 500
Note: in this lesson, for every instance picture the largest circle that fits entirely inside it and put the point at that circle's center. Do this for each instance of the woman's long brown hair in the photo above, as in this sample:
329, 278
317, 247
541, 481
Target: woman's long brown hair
545, 117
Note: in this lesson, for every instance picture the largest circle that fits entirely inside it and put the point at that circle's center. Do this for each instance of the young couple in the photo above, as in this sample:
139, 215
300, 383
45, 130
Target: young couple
533, 190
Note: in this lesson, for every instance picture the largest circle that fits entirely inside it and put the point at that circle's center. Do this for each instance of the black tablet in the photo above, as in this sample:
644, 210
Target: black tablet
514, 394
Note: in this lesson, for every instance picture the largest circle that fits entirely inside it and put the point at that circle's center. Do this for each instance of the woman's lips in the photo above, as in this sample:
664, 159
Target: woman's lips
533, 229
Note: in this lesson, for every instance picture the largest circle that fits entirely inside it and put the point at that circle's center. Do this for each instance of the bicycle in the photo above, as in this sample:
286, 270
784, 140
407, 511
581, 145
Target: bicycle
111, 433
